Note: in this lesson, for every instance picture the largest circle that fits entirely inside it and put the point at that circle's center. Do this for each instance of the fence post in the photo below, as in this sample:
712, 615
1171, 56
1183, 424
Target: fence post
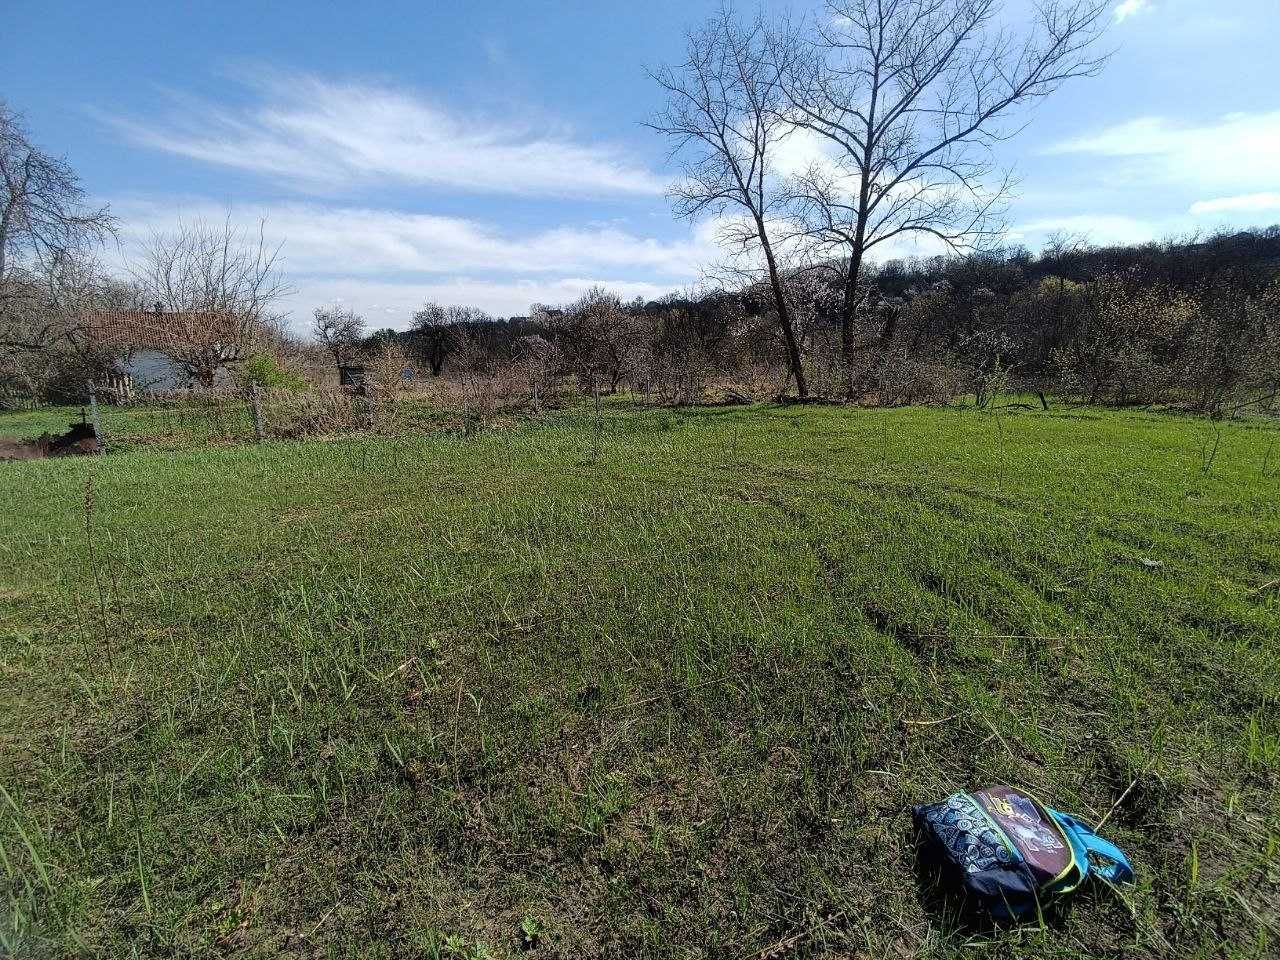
370, 412
98, 438
255, 397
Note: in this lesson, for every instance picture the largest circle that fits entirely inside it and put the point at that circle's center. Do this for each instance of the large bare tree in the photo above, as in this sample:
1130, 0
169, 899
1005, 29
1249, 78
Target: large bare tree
44, 342
726, 117
909, 97
214, 287
47, 229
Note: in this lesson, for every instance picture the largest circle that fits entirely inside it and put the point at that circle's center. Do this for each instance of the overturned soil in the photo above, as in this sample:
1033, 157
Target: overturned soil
77, 441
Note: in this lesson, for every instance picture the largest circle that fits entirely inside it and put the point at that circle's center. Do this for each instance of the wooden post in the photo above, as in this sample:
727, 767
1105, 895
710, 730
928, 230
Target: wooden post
98, 438
255, 397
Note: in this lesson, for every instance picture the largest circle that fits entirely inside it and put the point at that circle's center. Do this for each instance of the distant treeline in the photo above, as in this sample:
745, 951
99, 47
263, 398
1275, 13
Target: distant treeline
1192, 323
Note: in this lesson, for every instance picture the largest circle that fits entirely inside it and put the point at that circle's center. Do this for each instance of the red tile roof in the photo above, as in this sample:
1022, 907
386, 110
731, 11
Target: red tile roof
149, 329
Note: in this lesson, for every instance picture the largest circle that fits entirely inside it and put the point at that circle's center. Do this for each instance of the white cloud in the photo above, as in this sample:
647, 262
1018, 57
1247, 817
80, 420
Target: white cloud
1127, 8
1244, 203
1104, 229
386, 263
802, 149
906, 246
1236, 150
320, 135
361, 241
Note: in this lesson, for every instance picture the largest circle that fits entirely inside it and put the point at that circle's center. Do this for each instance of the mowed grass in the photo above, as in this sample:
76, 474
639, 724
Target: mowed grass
659, 685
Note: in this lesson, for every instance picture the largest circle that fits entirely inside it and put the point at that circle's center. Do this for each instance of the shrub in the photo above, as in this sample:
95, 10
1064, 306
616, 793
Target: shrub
323, 413
267, 371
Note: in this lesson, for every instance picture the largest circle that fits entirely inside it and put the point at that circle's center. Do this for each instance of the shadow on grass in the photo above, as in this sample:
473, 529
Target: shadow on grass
960, 919
942, 897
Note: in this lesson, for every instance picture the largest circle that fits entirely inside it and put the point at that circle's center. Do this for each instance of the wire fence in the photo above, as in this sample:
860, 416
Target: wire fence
257, 413
175, 423
210, 418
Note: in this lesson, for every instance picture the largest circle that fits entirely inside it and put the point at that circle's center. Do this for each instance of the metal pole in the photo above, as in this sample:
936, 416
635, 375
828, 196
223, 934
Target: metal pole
255, 397
98, 438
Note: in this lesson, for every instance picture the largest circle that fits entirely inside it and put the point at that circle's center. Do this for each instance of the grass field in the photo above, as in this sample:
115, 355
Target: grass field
665, 684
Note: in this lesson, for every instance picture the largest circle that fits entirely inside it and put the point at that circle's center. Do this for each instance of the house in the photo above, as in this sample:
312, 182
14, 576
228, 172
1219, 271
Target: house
166, 350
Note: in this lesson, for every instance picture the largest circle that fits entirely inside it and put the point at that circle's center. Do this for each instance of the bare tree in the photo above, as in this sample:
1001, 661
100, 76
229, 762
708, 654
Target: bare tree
535, 360
725, 115
214, 287
432, 336
437, 330
604, 341
909, 96
45, 226
45, 346
339, 330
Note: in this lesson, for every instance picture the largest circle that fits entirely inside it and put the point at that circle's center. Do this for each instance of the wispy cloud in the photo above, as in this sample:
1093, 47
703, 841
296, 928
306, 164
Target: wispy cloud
322, 239
1236, 150
386, 262
1100, 228
1127, 8
319, 135
1244, 203
802, 150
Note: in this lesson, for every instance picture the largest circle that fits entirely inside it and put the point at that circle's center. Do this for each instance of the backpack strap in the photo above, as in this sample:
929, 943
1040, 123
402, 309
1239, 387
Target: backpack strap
1116, 869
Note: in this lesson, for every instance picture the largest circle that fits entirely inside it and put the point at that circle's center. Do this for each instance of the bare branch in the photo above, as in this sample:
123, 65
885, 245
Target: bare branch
725, 118
214, 288
911, 96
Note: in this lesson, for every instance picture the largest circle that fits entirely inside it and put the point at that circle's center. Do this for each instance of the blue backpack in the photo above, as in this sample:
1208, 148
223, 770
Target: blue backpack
1013, 854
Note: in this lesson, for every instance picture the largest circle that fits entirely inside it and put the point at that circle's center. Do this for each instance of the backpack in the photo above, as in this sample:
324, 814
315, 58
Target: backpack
1012, 853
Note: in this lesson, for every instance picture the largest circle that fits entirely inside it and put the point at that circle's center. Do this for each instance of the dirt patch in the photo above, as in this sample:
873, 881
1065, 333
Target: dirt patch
77, 441
20, 449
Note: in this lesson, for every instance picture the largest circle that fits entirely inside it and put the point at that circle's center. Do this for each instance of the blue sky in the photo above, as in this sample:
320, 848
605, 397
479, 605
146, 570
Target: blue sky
493, 154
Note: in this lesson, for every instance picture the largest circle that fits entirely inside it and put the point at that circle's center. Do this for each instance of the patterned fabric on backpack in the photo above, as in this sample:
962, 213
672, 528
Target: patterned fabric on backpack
1013, 853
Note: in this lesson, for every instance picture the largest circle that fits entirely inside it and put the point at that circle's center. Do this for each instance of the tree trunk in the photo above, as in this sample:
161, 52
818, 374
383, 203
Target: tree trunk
848, 314
849, 308
784, 317
4, 236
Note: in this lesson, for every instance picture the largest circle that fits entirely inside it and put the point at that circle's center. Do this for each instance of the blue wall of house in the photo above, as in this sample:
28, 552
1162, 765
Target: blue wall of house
152, 370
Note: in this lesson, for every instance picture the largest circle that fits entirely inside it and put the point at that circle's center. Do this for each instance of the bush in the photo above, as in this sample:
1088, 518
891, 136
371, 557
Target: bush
267, 371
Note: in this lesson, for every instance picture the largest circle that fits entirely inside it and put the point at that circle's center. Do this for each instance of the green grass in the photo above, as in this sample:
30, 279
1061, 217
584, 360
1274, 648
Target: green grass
129, 428
662, 686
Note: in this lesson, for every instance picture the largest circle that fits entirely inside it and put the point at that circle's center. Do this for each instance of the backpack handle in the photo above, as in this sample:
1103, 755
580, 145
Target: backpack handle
1117, 869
